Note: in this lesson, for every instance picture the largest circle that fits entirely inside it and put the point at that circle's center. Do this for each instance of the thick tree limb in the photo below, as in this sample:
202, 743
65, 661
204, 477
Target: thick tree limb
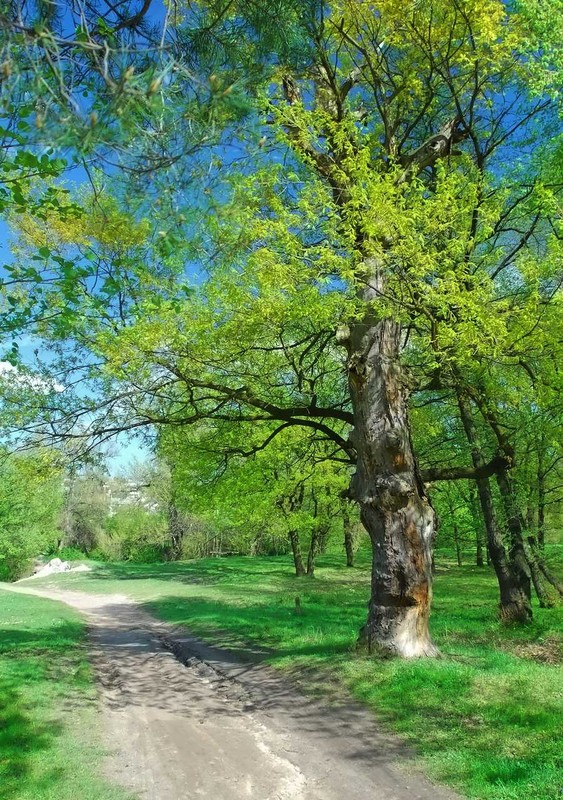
497, 464
434, 148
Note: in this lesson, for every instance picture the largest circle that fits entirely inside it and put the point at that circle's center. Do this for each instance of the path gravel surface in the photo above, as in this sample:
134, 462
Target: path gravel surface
185, 720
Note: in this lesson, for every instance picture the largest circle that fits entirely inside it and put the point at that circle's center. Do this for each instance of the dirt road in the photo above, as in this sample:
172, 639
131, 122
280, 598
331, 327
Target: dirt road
184, 720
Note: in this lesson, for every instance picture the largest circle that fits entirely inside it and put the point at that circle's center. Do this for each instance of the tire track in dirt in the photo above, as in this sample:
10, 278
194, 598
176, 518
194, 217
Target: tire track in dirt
184, 720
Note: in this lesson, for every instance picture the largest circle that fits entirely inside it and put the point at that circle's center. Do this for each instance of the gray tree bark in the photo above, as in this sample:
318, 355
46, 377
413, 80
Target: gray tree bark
394, 508
515, 599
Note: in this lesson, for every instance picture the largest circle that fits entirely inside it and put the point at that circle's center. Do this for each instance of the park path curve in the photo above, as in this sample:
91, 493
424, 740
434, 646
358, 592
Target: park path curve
184, 720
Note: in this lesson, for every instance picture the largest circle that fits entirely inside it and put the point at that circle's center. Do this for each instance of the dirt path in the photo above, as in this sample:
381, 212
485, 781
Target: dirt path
184, 720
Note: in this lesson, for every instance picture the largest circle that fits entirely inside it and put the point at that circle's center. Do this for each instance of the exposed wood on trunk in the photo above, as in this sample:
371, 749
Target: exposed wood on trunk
394, 508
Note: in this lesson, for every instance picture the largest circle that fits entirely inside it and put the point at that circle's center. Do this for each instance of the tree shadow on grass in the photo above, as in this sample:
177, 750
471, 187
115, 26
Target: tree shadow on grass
22, 735
259, 631
209, 570
241, 569
33, 702
21, 738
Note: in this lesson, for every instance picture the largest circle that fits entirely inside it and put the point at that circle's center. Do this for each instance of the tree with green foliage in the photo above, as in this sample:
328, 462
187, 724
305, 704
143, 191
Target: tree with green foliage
397, 235
403, 116
31, 500
85, 510
259, 499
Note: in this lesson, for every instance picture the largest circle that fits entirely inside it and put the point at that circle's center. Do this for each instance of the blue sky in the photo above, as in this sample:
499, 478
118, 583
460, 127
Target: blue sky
122, 450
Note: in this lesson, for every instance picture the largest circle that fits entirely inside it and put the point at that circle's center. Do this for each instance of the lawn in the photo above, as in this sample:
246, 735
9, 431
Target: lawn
49, 727
484, 718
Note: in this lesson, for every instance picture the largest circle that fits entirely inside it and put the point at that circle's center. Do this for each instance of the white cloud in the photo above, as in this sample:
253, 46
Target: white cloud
12, 375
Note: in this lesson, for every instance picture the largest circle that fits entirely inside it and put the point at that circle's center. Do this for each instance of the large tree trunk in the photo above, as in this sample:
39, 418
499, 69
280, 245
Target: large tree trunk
515, 602
394, 508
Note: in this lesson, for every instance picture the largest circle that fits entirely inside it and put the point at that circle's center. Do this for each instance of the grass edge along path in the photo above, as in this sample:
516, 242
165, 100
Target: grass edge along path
50, 741
485, 718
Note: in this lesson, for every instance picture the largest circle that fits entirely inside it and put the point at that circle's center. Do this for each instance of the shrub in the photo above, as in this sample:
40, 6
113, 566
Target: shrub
30, 502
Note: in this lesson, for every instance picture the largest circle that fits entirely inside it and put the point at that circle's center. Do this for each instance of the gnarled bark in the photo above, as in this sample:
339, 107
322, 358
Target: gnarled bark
394, 508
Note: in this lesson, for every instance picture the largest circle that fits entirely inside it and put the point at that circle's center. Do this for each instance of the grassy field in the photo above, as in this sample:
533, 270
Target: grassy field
485, 718
49, 738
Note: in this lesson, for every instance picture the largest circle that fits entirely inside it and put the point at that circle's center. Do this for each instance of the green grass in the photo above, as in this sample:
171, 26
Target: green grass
49, 745
485, 718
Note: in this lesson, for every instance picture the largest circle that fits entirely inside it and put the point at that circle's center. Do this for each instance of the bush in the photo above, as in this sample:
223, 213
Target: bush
30, 502
134, 534
69, 554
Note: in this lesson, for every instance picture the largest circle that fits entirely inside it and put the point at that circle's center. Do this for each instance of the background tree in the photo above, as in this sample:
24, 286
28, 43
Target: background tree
280, 497
31, 499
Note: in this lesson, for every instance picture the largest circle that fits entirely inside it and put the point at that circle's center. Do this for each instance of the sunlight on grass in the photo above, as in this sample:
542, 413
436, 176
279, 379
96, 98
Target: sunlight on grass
485, 717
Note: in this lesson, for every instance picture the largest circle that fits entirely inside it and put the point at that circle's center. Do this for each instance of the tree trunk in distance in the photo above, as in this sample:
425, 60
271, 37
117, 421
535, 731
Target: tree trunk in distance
541, 507
313, 548
549, 576
515, 523
537, 557
544, 599
387, 486
175, 532
348, 537
318, 542
480, 542
457, 545
515, 602
296, 550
